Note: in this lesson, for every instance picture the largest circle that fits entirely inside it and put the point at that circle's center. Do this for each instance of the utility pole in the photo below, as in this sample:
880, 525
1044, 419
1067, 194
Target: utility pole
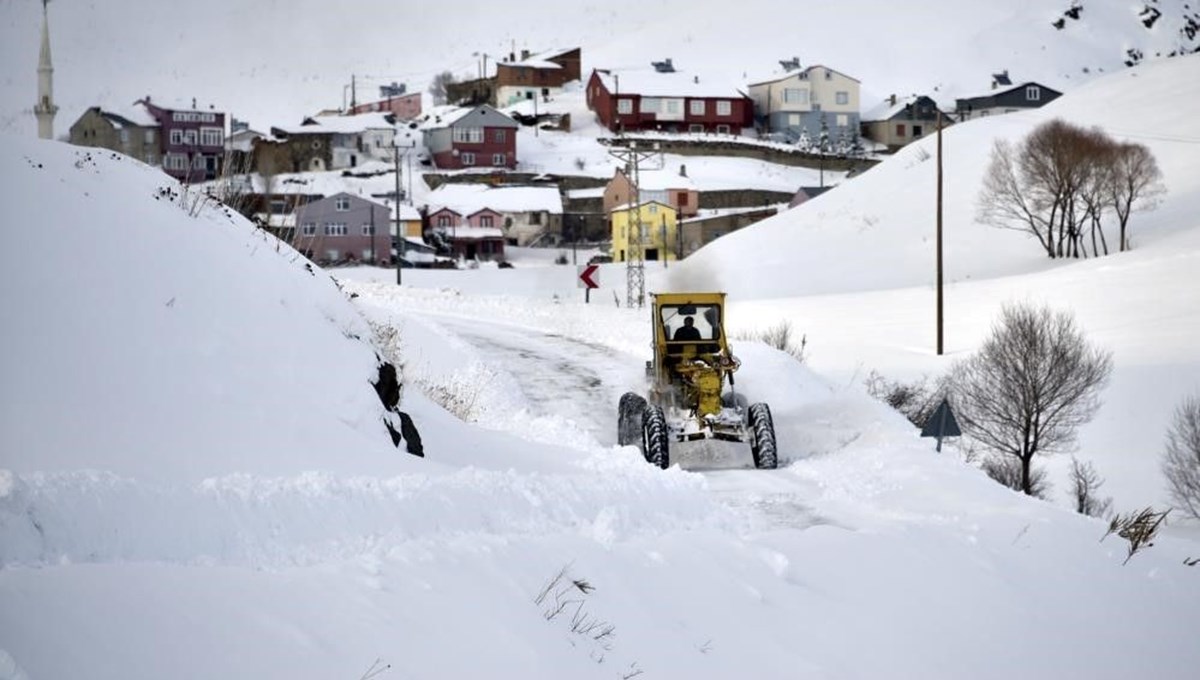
399, 226
635, 257
353, 97
372, 248
939, 232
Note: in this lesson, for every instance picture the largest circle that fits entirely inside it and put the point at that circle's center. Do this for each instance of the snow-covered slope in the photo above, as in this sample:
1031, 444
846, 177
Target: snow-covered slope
883, 224
142, 339
278, 61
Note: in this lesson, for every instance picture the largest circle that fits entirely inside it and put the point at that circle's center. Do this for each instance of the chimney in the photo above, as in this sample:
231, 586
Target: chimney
524, 55
193, 103
682, 170
696, 79
892, 100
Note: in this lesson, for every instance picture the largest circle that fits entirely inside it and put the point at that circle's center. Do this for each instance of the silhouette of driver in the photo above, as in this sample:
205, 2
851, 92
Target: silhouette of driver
688, 330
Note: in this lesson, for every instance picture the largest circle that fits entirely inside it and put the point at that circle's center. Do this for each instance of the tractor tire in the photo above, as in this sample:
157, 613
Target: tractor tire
762, 432
629, 419
655, 441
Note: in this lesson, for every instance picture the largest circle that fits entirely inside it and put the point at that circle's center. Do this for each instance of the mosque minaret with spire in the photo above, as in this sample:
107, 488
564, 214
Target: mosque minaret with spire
45, 107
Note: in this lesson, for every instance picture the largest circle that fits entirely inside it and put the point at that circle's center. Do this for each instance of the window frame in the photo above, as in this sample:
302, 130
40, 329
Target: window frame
724, 107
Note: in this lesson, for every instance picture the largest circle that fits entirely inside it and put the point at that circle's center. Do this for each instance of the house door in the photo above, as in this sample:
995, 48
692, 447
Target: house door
652, 254
471, 251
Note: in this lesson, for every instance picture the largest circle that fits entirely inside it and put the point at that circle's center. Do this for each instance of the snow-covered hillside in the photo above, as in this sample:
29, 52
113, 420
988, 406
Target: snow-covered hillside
274, 62
194, 482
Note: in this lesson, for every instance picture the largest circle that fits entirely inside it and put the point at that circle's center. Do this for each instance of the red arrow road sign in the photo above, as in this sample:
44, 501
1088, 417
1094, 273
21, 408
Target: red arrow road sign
589, 276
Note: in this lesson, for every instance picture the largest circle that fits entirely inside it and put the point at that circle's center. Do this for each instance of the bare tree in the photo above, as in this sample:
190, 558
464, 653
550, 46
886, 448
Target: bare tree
437, 87
1085, 482
1032, 383
1059, 183
1181, 463
1009, 472
1135, 181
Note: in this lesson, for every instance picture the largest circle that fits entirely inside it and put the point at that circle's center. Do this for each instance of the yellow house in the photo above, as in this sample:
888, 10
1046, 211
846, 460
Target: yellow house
654, 222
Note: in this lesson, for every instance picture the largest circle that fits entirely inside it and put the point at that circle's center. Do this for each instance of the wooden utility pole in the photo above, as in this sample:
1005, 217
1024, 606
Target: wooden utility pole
939, 233
399, 226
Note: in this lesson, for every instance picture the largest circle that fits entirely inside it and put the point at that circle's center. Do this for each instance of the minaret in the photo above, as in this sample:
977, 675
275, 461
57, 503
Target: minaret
45, 107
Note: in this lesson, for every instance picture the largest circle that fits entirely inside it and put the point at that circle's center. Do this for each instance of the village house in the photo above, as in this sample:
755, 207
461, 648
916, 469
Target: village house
801, 102
896, 121
473, 137
524, 215
343, 228
187, 142
537, 76
1012, 98
322, 143
134, 133
652, 224
394, 99
672, 188
476, 236
667, 101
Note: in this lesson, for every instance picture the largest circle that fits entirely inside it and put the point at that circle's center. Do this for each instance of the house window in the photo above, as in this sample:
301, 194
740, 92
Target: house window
681, 199
842, 120
367, 254
210, 136
125, 137
795, 95
650, 105
177, 136
149, 136
500, 136
467, 158
917, 131
151, 159
828, 74
279, 206
723, 129
485, 221
198, 162
499, 159
342, 204
842, 98
624, 106
332, 255
899, 129
695, 127
189, 137
653, 208
724, 107
673, 106
368, 230
443, 220
175, 161
793, 120
696, 107
535, 217
309, 229
1033, 93
336, 229
468, 135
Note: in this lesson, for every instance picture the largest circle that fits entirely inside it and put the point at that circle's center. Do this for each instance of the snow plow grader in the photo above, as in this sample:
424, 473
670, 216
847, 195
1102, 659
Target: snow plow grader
691, 392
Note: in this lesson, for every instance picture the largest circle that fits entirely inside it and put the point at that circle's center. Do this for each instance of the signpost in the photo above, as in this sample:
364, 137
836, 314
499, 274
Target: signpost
589, 278
941, 424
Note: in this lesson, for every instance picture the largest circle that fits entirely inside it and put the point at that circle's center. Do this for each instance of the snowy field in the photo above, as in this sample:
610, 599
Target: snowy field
195, 480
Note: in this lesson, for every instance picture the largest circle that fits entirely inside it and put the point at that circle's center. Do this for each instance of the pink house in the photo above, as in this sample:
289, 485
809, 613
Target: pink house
473, 237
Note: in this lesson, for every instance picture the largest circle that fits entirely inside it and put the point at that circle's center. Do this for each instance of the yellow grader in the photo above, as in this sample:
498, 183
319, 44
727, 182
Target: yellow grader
691, 394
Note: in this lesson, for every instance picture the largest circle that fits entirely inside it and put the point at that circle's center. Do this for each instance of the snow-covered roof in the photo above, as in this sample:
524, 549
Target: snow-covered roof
713, 213
663, 179
596, 192
631, 206
650, 83
467, 199
469, 233
340, 124
778, 75
885, 109
136, 115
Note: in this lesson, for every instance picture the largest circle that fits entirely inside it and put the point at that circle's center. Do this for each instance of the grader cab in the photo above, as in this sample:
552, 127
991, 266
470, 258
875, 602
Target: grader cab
692, 393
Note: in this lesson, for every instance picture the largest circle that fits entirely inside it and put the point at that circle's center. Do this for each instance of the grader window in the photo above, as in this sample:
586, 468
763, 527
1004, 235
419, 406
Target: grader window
689, 323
